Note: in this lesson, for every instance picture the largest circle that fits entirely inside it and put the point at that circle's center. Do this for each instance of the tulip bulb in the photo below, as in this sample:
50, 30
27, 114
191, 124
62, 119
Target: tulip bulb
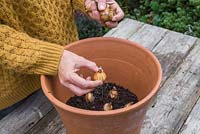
100, 75
107, 107
89, 97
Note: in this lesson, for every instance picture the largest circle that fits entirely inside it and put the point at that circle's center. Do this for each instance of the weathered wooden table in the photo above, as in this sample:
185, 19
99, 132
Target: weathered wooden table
176, 108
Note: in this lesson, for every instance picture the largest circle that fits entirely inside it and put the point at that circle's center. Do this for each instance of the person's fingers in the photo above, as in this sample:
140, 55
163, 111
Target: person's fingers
101, 5
110, 2
82, 83
119, 13
88, 78
114, 6
77, 90
95, 13
88, 64
88, 4
90, 14
94, 6
111, 24
81, 75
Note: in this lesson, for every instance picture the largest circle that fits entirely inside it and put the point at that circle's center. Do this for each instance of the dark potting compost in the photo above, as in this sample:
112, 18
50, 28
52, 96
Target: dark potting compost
108, 96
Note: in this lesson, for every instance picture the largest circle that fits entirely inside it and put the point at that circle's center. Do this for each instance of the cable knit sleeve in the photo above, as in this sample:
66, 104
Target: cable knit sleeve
24, 54
79, 5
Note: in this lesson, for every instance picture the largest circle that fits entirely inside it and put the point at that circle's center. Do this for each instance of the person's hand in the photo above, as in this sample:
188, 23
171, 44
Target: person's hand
70, 63
94, 8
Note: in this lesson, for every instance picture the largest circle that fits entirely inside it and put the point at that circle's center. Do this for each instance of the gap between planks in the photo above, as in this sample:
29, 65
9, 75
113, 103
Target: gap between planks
191, 126
177, 97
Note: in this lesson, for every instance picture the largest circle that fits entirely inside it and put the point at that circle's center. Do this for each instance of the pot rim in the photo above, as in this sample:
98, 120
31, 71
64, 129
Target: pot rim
146, 99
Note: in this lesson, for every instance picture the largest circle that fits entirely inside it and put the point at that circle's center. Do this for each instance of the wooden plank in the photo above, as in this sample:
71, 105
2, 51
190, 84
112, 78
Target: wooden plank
50, 124
62, 131
177, 96
125, 29
172, 50
192, 125
148, 36
26, 115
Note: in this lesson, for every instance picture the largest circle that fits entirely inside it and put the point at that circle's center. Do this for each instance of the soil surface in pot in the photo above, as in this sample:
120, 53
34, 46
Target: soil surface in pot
108, 96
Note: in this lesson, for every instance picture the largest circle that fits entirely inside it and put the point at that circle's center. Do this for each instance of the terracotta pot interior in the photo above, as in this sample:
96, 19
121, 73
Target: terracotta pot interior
125, 64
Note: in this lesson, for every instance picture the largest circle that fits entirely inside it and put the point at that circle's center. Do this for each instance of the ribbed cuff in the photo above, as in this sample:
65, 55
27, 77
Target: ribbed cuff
50, 55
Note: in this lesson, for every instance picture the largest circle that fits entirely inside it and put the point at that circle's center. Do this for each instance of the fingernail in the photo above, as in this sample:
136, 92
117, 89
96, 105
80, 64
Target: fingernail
102, 6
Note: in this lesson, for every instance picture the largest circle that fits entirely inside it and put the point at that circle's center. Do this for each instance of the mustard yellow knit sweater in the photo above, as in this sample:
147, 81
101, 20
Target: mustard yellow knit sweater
33, 34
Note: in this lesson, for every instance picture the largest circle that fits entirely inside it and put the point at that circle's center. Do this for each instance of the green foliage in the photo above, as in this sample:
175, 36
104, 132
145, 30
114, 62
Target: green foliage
178, 15
194, 2
88, 27
154, 6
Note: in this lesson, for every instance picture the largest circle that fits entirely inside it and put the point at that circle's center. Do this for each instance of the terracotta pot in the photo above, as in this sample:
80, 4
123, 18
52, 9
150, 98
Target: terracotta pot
125, 63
